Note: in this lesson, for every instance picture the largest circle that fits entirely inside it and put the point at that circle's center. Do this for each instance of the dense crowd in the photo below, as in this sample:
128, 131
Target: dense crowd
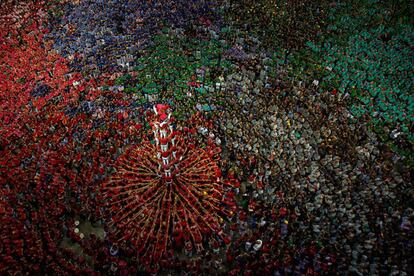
102, 36
340, 186
317, 191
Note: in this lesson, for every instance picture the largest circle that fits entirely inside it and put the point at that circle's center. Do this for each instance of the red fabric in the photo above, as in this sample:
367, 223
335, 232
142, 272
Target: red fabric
282, 212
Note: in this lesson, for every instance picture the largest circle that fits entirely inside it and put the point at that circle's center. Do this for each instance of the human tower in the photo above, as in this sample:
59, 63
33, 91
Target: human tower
167, 192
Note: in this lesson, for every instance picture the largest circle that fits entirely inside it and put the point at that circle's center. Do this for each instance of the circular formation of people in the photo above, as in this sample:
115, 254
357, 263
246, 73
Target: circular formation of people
287, 180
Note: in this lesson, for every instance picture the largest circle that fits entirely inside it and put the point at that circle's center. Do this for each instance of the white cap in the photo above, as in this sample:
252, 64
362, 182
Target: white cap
258, 244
